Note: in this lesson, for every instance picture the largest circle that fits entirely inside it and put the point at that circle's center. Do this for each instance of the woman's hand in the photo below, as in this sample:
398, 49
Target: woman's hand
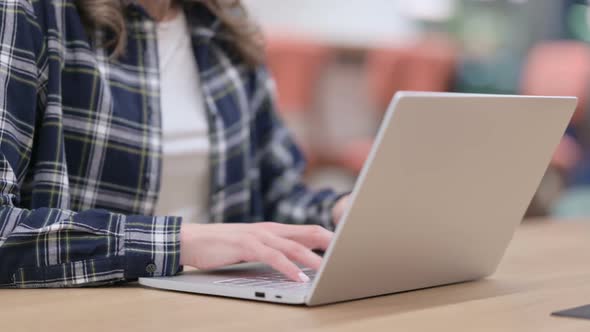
340, 208
278, 245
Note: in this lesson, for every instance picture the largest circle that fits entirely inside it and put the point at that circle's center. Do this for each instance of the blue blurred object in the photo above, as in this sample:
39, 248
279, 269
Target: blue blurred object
496, 35
576, 22
580, 175
574, 203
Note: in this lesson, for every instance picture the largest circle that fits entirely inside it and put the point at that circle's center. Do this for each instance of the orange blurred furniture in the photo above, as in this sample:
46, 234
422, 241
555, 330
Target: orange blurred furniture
352, 156
296, 65
559, 68
428, 65
385, 71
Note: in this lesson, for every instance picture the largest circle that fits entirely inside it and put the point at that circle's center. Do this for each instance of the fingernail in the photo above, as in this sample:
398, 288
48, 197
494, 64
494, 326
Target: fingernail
303, 277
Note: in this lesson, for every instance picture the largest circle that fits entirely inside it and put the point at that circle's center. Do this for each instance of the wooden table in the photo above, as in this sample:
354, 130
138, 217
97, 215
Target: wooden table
547, 268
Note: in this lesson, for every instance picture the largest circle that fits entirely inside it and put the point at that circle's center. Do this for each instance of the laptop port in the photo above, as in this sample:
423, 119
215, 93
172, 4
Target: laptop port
260, 294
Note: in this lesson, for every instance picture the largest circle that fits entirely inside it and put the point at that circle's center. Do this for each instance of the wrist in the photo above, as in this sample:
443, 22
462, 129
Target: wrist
188, 240
339, 208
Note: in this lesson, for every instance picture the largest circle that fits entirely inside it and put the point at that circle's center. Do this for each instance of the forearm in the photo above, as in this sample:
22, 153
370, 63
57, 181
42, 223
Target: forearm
60, 248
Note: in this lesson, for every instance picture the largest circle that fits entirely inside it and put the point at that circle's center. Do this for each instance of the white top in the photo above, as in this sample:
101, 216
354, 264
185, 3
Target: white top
184, 188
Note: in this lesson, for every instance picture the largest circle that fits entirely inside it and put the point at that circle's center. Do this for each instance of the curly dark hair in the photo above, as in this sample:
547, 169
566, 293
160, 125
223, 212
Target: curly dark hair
109, 15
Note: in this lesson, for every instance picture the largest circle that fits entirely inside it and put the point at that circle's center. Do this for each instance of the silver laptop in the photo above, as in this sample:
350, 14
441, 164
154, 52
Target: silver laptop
446, 183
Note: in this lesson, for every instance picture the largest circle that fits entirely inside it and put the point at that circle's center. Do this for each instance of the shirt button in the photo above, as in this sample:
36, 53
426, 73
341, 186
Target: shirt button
151, 268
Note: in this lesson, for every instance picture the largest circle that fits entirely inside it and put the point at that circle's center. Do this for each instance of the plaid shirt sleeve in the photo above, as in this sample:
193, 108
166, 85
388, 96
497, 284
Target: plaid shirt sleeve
52, 247
287, 198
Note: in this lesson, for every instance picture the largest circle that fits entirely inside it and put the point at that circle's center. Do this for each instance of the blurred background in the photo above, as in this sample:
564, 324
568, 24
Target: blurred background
338, 63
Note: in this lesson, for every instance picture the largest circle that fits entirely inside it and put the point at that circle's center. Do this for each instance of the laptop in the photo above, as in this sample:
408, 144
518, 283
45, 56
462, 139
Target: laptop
448, 180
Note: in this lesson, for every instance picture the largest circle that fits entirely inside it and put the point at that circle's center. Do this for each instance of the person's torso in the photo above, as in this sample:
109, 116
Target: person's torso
184, 184
107, 114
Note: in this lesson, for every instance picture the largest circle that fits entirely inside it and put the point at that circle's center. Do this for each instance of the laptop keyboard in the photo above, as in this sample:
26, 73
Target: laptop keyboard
272, 280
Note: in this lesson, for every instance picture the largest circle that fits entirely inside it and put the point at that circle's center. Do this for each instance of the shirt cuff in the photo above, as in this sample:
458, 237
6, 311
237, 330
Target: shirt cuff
152, 246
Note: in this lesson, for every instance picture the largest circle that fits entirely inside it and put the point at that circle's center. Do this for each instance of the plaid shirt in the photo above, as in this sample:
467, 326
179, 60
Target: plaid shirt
80, 148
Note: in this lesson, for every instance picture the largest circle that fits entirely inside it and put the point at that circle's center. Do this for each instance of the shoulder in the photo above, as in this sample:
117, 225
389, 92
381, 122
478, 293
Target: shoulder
29, 31
21, 30
33, 16
34, 9
46, 24
17, 12
52, 15
16, 7
44, 15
